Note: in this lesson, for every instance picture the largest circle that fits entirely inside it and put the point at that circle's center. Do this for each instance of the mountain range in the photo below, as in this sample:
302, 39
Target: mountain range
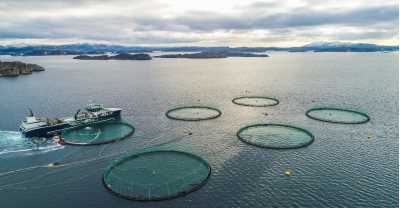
85, 48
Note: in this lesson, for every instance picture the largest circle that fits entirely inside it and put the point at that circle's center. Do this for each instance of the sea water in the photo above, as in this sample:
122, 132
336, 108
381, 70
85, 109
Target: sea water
346, 165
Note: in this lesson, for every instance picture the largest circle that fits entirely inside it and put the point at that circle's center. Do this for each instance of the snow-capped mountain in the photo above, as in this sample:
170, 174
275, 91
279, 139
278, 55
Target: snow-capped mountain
337, 44
87, 48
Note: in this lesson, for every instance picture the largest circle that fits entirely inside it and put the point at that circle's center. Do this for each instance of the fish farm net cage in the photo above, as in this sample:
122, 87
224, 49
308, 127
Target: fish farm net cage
193, 113
156, 175
256, 101
275, 136
337, 115
97, 133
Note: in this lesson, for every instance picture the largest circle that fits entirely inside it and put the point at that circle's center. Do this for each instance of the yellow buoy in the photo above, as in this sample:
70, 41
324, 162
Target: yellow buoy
52, 165
288, 172
370, 135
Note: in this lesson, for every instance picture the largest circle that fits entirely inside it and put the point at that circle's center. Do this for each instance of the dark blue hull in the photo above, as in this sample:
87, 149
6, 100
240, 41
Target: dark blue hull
43, 132
116, 114
113, 114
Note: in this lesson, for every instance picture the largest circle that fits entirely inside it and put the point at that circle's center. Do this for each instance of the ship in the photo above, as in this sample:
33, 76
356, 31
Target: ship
33, 126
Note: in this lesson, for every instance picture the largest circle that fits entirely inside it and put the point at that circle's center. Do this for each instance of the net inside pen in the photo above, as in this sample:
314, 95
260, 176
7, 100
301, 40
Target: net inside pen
255, 101
98, 133
156, 175
193, 113
275, 136
336, 115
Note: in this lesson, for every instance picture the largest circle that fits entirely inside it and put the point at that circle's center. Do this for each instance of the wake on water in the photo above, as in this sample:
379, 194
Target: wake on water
13, 143
85, 160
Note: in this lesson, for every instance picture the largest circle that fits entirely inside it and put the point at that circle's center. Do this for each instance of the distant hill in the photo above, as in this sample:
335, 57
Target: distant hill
121, 56
207, 55
80, 49
345, 47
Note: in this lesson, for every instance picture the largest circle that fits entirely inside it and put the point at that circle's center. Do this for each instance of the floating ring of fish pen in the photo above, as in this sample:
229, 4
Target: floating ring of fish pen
156, 175
275, 136
337, 115
255, 101
81, 136
193, 113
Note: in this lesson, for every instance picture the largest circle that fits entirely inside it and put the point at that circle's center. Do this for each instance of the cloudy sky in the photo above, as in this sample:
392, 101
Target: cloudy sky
198, 22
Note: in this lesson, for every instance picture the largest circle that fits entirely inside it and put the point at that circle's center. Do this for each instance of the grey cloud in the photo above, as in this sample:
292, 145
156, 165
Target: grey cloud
357, 36
363, 16
200, 21
150, 27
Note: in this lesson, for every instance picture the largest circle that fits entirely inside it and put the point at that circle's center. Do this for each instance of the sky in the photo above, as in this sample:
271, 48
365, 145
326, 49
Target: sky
253, 23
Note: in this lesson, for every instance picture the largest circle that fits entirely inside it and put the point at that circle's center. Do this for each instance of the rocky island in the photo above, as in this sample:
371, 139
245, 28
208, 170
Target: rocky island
121, 56
16, 68
207, 55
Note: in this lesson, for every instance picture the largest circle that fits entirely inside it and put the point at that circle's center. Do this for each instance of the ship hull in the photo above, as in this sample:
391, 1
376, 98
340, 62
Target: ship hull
46, 131
43, 132
114, 114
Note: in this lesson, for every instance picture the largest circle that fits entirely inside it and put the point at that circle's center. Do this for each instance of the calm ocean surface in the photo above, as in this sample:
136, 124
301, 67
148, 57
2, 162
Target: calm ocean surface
344, 167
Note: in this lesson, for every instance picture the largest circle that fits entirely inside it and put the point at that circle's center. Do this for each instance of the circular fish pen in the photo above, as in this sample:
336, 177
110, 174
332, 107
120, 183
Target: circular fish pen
256, 101
337, 115
275, 136
98, 133
193, 113
156, 175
